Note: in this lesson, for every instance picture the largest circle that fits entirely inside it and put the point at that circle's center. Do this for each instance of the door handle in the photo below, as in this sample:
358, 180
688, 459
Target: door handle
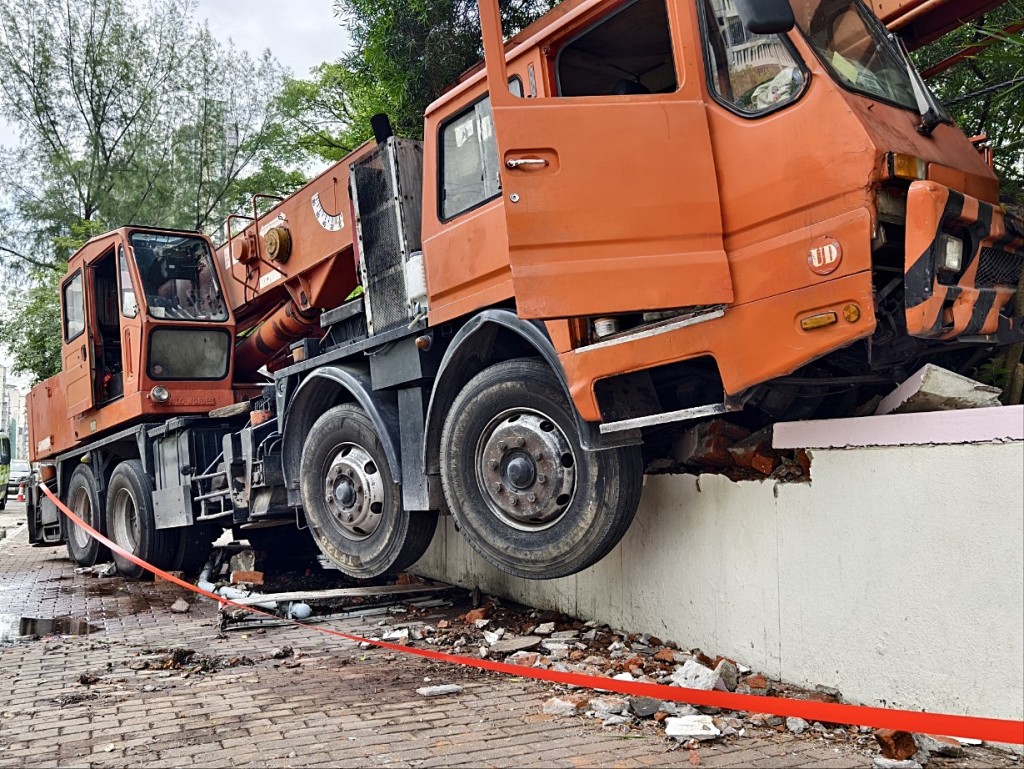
517, 162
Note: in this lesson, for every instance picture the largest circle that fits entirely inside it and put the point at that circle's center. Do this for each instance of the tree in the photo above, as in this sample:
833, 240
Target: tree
126, 115
405, 54
984, 91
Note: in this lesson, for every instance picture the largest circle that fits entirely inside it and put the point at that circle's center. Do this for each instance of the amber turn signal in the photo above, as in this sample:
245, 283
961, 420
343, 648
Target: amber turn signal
852, 313
819, 321
907, 167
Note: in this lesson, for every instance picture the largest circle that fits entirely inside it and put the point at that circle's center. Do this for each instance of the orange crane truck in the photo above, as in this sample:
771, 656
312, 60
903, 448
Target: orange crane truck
631, 214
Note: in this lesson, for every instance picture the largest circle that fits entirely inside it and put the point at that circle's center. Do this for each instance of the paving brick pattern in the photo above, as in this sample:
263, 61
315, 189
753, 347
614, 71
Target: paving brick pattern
332, 704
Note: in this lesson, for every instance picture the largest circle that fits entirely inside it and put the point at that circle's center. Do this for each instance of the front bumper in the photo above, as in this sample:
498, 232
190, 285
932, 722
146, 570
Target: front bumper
977, 305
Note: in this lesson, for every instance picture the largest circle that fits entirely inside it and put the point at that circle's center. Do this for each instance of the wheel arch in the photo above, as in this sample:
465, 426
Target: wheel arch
330, 386
490, 337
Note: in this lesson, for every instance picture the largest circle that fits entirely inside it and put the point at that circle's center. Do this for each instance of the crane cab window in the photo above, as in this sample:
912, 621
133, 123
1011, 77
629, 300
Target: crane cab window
469, 157
628, 53
74, 307
178, 277
749, 73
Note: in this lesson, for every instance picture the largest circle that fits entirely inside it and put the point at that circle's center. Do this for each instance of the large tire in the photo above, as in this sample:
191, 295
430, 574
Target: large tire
353, 505
83, 499
192, 548
131, 523
3, 498
524, 493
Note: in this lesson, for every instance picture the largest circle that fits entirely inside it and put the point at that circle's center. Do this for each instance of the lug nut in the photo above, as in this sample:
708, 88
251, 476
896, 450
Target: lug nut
520, 441
514, 501
542, 479
497, 487
538, 455
502, 446
493, 464
532, 497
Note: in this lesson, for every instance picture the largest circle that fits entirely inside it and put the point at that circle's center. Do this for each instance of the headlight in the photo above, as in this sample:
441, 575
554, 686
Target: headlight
160, 394
951, 253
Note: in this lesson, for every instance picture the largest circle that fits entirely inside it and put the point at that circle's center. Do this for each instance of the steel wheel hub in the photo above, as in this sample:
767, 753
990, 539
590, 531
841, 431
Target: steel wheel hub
354, 491
526, 469
127, 530
82, 507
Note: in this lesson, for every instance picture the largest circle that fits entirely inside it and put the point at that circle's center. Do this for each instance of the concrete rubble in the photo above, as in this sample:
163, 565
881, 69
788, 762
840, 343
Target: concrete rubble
718, 446
551, 641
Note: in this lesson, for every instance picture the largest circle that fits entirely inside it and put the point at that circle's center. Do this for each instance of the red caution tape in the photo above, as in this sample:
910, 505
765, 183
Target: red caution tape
989, 729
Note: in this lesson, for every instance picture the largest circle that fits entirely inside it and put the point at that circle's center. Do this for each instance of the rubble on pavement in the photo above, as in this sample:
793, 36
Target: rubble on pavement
537, 639
548, 640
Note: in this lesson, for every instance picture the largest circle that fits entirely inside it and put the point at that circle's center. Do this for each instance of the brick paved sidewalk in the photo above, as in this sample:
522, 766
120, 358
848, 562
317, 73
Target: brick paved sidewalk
331, 704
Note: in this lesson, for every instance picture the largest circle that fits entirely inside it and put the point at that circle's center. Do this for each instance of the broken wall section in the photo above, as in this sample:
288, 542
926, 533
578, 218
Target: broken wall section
895, 576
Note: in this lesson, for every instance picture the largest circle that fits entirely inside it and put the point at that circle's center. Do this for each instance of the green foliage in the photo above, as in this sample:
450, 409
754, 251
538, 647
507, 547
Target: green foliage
985, 93
30, 328
405, 53
127, 113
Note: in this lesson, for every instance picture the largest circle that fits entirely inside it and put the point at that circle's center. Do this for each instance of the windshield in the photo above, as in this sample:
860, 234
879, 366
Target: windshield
178, 278
853, 46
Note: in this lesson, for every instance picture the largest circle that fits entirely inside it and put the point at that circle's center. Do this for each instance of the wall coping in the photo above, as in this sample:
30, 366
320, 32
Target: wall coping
984, 425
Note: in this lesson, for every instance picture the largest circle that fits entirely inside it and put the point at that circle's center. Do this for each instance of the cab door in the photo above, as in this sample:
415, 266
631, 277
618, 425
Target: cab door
77, 349
609, 185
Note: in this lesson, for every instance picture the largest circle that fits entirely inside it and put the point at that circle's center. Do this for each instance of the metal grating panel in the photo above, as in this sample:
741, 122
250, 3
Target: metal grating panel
386, 191
999, 268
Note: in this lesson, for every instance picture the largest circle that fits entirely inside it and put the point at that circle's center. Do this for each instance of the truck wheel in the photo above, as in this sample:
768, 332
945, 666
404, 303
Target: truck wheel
353, 505
131, 524
3, 498
83, 499
524, 493
191, 549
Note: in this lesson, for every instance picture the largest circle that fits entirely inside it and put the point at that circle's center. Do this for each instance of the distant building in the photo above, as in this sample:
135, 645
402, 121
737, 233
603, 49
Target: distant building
15, 405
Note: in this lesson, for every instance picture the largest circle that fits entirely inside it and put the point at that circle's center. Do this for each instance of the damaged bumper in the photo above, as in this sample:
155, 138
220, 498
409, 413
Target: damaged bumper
974, 302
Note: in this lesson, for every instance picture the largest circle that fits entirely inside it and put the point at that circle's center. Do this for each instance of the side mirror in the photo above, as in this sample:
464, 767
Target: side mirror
766, 17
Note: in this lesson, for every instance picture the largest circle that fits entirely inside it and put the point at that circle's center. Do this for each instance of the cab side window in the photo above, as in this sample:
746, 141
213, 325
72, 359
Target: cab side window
469, 157
469, 154
752, 74
129, 306
628, 53
74, 307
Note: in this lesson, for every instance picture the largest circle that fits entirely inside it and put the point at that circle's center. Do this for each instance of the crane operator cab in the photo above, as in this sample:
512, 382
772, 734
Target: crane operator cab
146, 328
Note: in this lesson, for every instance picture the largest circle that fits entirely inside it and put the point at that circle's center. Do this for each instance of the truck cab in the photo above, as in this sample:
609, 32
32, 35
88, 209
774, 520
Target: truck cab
657, 158
146, 333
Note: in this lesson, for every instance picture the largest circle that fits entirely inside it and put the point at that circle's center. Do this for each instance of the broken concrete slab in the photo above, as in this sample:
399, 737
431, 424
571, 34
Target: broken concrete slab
939, 746
644, 707
565, 706
796, 725
512, 644
685, 728
440, 690
693, 675
180, 606
933, 388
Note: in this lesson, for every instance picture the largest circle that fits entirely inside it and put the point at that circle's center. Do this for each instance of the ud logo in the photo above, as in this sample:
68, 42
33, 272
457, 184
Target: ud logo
825, 256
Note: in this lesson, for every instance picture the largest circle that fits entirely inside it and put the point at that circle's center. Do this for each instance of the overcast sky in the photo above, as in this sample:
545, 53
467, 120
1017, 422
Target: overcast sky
300, 33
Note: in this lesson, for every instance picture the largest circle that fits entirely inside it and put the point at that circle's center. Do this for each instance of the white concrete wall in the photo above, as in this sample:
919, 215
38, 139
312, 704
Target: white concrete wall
896, 575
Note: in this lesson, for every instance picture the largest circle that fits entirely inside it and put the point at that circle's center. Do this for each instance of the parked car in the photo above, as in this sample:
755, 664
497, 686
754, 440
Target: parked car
5, 466
20, 472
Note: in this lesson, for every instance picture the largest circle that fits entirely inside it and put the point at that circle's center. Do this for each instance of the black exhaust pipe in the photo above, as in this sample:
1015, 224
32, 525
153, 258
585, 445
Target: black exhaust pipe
381, 126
